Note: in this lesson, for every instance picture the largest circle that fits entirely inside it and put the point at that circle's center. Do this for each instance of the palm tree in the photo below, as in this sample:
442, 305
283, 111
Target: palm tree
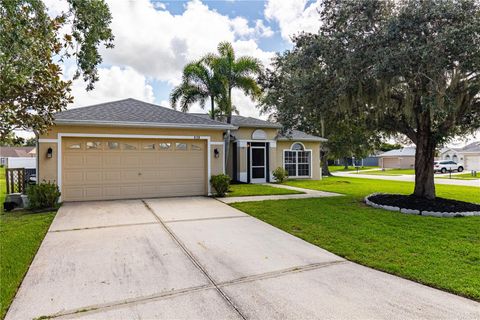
199, 83
235, 73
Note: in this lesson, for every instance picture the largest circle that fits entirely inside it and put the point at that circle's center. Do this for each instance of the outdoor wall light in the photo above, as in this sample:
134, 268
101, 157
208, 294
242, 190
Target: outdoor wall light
49, 152
216, 153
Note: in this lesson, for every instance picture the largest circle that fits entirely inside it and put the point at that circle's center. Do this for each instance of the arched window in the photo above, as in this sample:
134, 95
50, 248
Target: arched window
259, 134
297, 146
447, 157
297, 160
455, 158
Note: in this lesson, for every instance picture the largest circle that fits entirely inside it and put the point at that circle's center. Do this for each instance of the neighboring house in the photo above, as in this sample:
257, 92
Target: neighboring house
15, 152
133, 149
453, 154
469, 155
398, 158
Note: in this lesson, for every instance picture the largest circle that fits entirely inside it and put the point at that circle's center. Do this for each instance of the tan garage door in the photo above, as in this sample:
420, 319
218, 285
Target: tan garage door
99, 169
472, 162
391, 163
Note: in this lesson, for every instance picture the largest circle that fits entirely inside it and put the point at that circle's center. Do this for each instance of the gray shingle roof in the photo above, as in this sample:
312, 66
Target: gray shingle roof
472, 147
249, 122
299, 135
404, 152
135, 113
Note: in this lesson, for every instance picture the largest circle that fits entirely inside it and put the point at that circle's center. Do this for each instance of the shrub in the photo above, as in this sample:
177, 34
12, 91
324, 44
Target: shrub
220, 183
280, 174
43, 195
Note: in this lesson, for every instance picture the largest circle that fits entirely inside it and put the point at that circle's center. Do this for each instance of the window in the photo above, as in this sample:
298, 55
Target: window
127, 146
297, 146
92, 145
447, 157
112, 145
297, 161
149, 146
195, 147
165, 145
75, 146
180, 146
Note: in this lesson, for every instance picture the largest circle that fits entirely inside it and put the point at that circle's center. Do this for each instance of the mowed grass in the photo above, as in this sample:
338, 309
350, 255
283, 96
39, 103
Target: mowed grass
243, 190
391, 172
350, 168
20, 236
463, 176
439, 252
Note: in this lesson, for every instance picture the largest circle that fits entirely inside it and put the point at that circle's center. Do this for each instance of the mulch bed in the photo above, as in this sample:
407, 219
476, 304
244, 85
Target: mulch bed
415, 203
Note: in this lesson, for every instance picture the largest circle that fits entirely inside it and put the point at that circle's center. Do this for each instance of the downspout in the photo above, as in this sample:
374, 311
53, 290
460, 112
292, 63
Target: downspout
37, 161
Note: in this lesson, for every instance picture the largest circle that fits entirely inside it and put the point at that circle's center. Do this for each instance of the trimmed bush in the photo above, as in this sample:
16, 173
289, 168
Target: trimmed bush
280, 174
221, 183
43, 195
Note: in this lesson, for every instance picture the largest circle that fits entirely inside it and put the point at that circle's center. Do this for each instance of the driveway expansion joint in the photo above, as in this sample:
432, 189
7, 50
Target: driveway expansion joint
206, 219
194, 261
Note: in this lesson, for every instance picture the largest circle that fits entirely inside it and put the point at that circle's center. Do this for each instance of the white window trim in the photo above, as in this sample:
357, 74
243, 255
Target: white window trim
128, 136
296, 151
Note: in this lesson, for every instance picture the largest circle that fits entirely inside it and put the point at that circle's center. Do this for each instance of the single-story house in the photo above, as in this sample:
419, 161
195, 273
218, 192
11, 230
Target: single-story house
451, 154
15, 152
471, 156
133, 149
403, 158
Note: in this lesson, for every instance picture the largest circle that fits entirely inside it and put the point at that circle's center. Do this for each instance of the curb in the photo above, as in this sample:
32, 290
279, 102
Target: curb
419, 212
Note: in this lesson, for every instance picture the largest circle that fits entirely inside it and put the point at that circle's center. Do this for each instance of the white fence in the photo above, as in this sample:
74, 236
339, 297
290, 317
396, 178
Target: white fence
27, 163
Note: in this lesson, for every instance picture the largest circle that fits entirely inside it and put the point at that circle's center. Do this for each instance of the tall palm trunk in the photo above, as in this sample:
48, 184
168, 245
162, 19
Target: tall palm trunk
212, 101
229, 121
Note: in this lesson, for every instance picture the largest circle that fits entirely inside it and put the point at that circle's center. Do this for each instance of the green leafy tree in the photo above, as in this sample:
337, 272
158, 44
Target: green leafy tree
299, 94
11, 140
31, 48
199, 82
402, 67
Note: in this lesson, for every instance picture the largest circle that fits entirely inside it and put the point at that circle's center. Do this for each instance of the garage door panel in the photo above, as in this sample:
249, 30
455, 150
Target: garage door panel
128, 168
73, 161
112, 160
472, 162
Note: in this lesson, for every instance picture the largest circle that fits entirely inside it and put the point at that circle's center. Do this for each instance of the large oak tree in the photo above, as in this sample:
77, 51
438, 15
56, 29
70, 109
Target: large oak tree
403, 67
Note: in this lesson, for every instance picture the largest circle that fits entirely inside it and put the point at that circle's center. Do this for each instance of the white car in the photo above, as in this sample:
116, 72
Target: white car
446, 166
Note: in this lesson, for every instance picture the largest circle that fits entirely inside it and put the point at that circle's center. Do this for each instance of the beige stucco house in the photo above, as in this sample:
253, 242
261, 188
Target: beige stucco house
133, 149
399, 158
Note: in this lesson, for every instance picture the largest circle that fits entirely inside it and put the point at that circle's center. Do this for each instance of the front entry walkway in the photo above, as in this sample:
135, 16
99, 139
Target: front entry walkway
186, 258
307, 193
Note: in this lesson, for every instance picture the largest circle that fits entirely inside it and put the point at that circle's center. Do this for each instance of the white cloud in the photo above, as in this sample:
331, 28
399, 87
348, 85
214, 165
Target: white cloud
261, 30
159, 44
115, 84
293, 16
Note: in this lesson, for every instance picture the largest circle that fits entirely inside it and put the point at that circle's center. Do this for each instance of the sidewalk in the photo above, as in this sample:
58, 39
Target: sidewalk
307, 193
411, 178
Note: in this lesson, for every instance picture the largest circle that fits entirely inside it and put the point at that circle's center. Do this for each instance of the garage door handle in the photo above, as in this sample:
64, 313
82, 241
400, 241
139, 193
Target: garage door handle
139, 173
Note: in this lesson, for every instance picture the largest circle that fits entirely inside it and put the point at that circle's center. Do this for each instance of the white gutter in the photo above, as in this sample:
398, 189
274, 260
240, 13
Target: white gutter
143, 124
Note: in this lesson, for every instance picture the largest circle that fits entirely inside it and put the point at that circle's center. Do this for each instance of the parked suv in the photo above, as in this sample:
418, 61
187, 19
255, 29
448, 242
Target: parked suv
447, 165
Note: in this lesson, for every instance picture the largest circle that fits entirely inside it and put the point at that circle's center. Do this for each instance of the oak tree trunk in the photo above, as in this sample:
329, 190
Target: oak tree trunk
424, 158
324, 161
212, 101
345, 163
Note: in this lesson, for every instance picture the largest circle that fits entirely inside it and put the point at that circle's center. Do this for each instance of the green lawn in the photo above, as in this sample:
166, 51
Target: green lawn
440, 252
463, 176
350, 168
390, 172
243, 190
20, 236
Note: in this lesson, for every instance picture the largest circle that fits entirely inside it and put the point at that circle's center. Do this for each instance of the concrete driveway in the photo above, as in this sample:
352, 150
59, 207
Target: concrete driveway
197, 258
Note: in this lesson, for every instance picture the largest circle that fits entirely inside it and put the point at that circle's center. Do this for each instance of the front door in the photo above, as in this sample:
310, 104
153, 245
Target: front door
258, 169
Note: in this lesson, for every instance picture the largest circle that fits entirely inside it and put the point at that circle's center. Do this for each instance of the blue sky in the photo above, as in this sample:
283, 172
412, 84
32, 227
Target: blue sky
154, 39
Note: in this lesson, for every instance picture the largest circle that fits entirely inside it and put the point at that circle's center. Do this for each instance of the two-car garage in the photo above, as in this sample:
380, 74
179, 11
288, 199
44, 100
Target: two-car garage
115, 168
